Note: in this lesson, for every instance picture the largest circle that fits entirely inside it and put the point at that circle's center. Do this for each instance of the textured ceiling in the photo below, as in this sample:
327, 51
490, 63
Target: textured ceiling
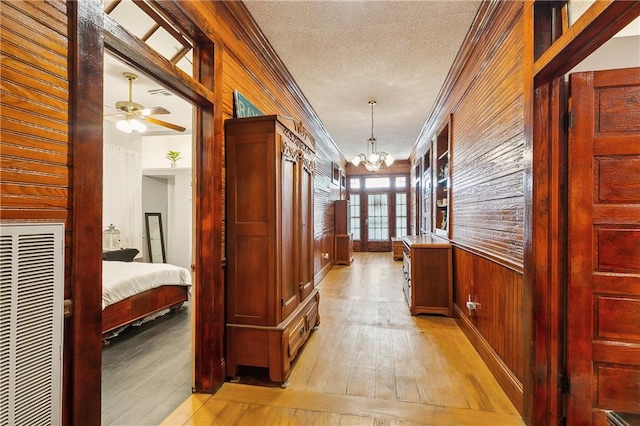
344, 53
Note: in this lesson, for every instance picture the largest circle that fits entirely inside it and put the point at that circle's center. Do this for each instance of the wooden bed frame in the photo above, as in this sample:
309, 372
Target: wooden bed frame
141, 305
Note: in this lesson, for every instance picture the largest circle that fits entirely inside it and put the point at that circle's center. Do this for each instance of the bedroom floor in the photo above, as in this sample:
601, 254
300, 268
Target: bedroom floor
146, 371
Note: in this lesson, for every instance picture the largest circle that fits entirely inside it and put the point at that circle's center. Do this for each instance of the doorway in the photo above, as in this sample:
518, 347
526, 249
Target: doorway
85, 366
147, 366
379, 210
579, 399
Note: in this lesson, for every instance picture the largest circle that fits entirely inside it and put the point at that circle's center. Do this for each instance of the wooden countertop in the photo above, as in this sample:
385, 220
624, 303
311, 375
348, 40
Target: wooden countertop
430, 240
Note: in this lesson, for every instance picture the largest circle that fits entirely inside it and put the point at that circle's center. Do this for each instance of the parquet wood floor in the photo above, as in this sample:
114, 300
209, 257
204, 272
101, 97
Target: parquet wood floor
370, 362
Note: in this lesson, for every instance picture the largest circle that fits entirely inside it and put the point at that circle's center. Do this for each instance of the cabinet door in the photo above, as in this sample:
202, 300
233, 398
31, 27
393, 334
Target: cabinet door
288, 236
305, 251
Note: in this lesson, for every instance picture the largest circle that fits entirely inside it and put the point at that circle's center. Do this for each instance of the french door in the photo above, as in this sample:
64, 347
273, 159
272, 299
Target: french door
378, 211
376, 222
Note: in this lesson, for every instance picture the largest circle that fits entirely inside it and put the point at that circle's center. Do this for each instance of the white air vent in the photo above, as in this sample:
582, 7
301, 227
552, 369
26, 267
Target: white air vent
31, 313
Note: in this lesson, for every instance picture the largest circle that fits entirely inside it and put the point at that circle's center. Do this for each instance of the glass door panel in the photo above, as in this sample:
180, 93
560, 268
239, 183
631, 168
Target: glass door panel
378, 222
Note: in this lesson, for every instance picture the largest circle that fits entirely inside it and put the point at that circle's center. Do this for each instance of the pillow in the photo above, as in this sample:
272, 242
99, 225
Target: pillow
122, 255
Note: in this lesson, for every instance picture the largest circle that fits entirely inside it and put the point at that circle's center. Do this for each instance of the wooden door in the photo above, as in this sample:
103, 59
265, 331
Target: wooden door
289, 219
376, 221
305, 251
603, 312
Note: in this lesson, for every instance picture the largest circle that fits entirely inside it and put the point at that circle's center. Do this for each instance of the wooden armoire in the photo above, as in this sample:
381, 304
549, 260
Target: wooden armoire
271, 300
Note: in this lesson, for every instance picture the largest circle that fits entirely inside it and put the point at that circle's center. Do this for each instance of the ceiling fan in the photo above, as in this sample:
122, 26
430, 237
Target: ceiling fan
134, 113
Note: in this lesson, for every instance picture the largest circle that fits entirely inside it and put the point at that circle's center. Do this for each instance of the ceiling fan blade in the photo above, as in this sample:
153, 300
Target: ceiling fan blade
164, 124
154, 111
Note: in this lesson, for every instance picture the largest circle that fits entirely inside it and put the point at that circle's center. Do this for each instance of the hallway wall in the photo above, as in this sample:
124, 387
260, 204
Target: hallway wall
483, 97
250, 66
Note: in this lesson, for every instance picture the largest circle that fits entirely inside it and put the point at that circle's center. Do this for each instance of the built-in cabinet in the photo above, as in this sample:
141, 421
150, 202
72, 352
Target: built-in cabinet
343, 235
427, 270
442, 189
427, 193
271, 300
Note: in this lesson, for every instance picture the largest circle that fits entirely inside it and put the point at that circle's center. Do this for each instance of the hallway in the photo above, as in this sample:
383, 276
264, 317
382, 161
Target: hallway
369, 363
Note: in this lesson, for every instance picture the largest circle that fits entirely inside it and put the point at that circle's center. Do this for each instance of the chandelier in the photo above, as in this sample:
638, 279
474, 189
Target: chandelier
374, 158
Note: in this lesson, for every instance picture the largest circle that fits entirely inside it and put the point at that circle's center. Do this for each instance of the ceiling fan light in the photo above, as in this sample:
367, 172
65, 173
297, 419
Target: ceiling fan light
138, 126
131, 125
124, 126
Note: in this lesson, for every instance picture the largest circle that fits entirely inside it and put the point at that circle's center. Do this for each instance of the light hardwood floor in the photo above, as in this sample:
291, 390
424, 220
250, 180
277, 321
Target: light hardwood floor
369, 363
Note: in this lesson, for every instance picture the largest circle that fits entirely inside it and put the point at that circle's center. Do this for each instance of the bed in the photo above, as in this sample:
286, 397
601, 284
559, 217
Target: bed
135, 292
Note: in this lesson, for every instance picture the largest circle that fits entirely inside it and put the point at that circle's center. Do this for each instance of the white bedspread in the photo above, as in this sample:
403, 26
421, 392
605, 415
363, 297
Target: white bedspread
124, 279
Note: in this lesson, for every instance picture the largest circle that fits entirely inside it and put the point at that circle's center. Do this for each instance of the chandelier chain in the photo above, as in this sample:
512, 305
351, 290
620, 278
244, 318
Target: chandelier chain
374, 158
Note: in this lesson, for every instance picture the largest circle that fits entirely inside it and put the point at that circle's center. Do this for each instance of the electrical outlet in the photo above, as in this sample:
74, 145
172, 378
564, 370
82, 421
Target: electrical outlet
472, 306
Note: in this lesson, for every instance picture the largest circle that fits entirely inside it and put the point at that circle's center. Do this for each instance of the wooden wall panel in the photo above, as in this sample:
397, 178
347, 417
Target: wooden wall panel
488, 159
251, 67
496, 327
484, 95
34, 154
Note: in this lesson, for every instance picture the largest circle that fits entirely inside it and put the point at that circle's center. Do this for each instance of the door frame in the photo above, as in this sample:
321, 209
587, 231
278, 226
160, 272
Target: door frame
92, 33
362, 244
365, 243
547, 58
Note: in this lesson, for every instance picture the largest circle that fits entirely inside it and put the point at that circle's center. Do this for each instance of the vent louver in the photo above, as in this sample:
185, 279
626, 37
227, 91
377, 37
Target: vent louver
31, 293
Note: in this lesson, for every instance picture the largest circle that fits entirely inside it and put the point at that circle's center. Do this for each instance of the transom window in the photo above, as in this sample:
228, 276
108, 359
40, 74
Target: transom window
377, 183
140, 19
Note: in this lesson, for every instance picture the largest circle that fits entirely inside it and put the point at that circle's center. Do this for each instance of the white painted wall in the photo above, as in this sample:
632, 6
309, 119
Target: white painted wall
155, 148
619, 52
169, 191
155, 200
173, 187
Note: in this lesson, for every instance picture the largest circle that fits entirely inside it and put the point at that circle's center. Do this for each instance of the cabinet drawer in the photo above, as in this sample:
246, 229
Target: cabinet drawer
312, 316
297, 336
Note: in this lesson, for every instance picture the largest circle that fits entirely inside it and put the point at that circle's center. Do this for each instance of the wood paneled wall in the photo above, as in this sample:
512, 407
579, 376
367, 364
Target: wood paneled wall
484, 94
495, 328
250, 66
34, 185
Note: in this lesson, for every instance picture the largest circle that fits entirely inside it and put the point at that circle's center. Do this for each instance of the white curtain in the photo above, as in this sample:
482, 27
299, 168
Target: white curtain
122, 194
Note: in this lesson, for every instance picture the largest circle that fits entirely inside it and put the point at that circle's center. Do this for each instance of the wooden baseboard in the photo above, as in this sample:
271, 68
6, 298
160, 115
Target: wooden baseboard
505, 377
322, 273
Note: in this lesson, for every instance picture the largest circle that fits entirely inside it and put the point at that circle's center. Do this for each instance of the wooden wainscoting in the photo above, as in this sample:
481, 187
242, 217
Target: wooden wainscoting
323, 254
495, 329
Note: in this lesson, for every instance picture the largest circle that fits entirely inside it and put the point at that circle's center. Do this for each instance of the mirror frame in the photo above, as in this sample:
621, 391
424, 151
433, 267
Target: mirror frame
147, 217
